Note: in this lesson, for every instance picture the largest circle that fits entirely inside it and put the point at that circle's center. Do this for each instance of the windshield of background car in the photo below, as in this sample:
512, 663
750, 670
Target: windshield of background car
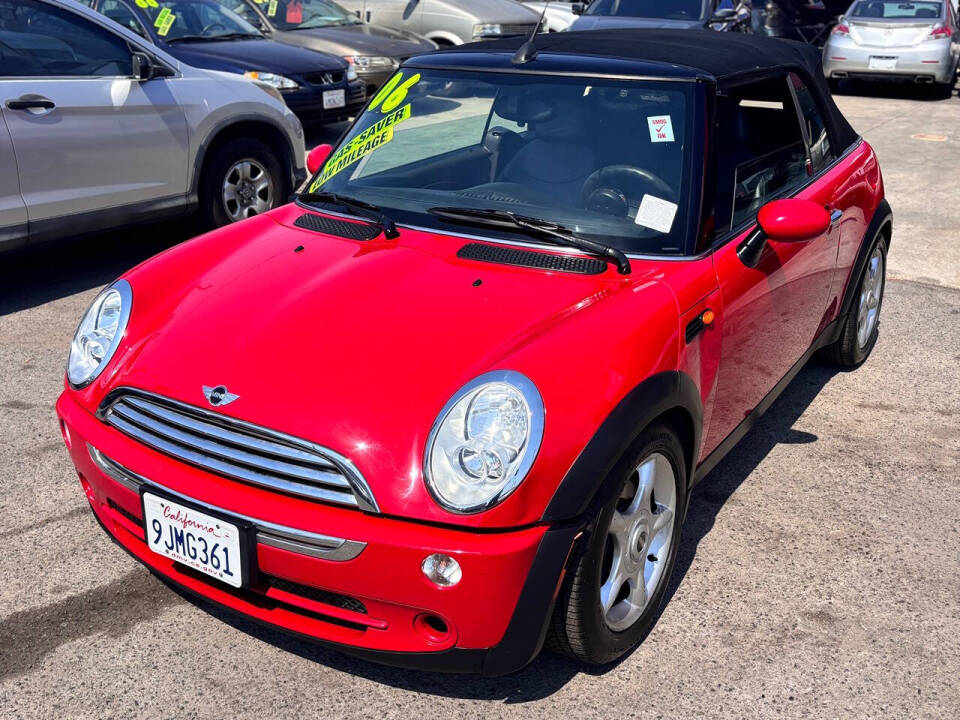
662, 9
608, 159
909, 10
184, 19
305, 14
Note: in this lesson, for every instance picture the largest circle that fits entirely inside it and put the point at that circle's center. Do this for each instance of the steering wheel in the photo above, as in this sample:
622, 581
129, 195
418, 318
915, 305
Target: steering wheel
213, 25
610, 189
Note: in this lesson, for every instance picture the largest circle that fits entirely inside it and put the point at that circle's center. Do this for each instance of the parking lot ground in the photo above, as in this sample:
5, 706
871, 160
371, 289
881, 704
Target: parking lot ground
818, 576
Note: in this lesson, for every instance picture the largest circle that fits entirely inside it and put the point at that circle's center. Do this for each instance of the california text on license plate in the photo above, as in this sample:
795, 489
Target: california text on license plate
883, 63
193, 538
334, 99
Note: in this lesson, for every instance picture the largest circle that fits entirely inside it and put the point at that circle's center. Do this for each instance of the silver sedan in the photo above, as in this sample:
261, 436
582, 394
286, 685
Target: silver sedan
896, 40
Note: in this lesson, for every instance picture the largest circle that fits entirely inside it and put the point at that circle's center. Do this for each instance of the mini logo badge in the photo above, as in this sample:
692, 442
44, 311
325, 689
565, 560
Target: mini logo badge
218, 395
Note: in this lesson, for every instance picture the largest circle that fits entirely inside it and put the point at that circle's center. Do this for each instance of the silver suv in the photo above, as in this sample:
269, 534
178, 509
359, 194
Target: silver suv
102, 129
449, 22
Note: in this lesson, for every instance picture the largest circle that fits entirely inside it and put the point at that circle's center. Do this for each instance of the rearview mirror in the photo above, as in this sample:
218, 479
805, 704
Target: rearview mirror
317, 157
787, 220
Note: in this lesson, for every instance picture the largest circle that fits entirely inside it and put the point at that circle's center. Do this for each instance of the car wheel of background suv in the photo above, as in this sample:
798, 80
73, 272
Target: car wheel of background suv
243, 178
617, 578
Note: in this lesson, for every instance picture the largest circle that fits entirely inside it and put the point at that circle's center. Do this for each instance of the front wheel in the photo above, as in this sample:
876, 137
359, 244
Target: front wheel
242, 179
616, 581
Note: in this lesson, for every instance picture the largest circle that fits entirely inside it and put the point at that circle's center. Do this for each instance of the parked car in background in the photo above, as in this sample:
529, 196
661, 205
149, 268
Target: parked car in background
674, 14
374, 51
319, 87
895, 40
99, 128
597, 271
559, 14
449, 22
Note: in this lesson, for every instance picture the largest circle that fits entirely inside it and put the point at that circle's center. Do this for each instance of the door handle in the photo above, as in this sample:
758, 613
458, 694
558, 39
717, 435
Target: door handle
31, 102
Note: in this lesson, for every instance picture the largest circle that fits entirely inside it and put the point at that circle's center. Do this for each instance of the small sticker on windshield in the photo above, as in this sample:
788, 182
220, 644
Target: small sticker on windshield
272, 8
661, 128
161, 17
656, 213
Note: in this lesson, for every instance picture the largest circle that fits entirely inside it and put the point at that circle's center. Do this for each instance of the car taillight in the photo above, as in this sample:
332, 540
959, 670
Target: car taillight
840, 29
939, 33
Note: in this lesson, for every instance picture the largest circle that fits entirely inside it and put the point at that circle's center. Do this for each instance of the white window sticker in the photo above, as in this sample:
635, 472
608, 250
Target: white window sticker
661, 128
656, 213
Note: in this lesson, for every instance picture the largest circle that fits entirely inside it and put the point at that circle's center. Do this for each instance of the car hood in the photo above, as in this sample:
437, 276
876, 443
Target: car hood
360, 39
488, 11
600, 22
355, 346
263, 55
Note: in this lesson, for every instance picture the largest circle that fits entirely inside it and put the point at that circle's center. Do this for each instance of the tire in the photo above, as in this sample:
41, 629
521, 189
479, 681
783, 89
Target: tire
580, 626
227, 164
854, 346
942, 91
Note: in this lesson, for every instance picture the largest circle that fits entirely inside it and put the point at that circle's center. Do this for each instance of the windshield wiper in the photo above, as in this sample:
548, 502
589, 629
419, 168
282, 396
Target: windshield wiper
365, 209
557, 233
236, 36
190, 38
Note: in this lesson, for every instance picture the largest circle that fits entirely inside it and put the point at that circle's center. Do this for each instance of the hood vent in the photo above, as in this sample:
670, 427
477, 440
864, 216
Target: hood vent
530, 259
340, 228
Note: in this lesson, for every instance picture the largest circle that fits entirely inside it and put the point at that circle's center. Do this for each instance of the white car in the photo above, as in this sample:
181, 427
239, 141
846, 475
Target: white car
99, 128
559, 15
895, 40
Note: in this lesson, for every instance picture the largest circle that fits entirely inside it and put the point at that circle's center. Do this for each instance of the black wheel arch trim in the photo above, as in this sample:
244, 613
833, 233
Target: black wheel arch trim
655, 396
882, 218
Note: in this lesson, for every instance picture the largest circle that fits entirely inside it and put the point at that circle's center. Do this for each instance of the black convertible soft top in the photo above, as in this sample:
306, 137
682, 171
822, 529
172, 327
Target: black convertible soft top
718, 56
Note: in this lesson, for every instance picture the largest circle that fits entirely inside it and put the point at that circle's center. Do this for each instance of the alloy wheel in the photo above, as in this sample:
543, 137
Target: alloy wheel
871, 292
639, 542
248, 190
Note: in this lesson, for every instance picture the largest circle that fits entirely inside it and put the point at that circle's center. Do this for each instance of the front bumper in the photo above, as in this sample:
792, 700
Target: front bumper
370, 601
306, 102
930, 61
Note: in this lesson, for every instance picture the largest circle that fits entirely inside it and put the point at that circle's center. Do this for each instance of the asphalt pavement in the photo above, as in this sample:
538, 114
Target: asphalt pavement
818, 576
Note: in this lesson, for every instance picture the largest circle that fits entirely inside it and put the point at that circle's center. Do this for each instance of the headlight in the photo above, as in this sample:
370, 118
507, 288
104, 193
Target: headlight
99, 334
484, 442
272, 79
371, 62
351, 73
485, 29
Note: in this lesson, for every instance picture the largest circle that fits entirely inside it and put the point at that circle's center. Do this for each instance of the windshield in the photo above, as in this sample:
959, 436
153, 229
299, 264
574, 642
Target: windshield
305, 14
880, 9
188, 19
607, 159
661, 9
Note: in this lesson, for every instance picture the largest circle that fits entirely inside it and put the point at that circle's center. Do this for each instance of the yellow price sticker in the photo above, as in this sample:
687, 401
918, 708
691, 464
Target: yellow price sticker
167, 23
272, 8
147, 4
161, 17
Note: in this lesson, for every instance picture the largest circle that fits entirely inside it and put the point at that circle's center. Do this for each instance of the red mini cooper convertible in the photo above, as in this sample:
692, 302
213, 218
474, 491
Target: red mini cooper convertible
449, 405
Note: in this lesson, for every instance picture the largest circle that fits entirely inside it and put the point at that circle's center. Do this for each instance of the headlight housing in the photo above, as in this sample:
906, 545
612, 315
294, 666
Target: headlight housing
486, 29
351, 73
484, 442
99, 334
272, 79
371, 62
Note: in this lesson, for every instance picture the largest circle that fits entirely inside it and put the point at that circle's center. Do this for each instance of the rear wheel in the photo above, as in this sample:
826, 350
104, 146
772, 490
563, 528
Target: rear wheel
861, 326
242, 179
618, 576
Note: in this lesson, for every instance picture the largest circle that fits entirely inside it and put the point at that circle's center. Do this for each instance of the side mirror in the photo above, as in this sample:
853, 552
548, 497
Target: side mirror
578, 8
787, 220
143, 67
317, 157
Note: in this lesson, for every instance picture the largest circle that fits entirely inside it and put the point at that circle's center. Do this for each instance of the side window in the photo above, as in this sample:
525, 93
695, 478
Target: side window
761, 153
122, 15
39, 40
814, 128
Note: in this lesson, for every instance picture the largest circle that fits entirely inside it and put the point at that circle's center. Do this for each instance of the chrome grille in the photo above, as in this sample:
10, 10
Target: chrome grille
324, 78
236, 449
516, 29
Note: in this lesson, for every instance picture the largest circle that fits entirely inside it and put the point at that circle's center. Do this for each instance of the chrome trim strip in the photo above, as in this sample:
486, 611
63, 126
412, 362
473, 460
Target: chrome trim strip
224, 451
362, 497
225, 468
221, 433
304, 542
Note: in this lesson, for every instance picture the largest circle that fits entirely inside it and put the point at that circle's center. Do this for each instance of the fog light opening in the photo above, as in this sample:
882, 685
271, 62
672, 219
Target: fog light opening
442, 570
87, 489
433, 628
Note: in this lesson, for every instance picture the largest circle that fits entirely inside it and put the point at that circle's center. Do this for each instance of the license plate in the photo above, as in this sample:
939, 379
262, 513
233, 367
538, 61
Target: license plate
195, 539
334, 99
883, 63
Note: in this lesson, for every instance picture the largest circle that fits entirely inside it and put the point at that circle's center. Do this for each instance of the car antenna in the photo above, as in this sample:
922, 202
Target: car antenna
528, 51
